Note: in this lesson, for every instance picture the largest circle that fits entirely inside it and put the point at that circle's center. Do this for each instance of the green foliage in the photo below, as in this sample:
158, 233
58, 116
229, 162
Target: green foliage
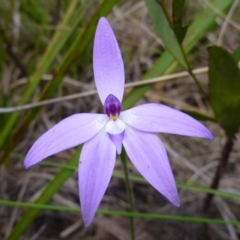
164, 29
177, 12
199, 115
224, 89
204, 22
42, 67
165, 217
236, 54
34, 11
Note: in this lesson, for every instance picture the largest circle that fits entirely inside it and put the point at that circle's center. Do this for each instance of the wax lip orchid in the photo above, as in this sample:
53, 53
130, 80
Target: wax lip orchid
104, 134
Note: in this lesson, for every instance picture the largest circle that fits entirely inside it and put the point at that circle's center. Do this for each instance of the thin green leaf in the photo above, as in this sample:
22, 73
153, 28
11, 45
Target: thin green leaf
188, 186
224, 89
177, 12
34, 11
164, 29
180, 184
199, 115
38, 207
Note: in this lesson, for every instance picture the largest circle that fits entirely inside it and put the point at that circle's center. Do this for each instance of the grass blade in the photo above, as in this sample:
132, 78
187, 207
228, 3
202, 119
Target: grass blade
164, 29
155, 216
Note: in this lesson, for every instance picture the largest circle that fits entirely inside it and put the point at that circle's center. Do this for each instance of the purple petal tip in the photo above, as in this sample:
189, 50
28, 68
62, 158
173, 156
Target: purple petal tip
211, 137
177, 204
208, 134
87, 222
175, 201
102, 19
25, 165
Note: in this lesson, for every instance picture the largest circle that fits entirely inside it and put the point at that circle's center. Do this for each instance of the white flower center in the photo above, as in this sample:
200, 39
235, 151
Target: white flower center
115, 126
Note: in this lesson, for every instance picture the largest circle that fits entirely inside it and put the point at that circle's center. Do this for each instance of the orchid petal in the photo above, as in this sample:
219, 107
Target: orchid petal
107, 62
70, 132
97, 162
149, 156
117, 140
160, 118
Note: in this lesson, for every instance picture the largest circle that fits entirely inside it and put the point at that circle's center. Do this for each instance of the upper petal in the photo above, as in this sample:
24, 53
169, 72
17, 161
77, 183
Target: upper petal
68, 133
147, 153
160, 118
96, 165
107, 62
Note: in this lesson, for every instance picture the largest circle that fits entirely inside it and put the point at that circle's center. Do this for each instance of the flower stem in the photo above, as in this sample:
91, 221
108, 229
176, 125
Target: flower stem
129, 191
219, 172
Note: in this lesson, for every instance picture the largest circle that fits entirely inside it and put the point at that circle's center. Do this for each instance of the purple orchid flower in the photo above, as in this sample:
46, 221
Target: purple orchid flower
104, 134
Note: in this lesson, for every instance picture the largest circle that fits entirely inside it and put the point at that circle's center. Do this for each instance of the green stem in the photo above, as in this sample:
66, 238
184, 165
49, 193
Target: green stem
196, 81
219, 172
129, 191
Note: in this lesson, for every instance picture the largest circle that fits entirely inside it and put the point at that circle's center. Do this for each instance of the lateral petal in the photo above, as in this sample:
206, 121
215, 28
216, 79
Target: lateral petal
155, 117
70, 132
107, 62
149, 156
96, 165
